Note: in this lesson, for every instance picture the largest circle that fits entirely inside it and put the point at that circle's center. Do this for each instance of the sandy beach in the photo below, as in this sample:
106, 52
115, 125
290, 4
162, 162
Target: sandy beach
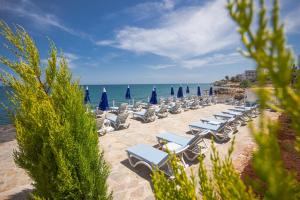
125, 182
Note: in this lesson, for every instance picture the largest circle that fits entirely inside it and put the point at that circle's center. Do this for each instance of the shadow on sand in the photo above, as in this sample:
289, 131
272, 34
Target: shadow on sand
23, 195
7, 133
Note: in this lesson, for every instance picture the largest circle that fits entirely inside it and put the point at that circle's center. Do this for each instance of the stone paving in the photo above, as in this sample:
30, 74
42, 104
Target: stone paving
125, 182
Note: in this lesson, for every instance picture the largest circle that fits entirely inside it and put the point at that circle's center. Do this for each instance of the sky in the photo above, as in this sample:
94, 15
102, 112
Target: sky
135, 41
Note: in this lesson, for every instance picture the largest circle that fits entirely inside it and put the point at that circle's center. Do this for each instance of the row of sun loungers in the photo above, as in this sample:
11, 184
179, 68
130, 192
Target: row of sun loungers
221, 127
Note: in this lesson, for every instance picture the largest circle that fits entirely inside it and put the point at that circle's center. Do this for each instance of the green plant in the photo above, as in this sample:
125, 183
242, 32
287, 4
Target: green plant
245, 84
57, 139
267, 47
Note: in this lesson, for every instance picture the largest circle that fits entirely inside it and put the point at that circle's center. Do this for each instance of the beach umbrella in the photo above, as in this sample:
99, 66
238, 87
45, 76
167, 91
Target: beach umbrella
103, 105
127, 95
87, 96
180, 92
210, 91
172, 91
198, 92
153, 99
187, 90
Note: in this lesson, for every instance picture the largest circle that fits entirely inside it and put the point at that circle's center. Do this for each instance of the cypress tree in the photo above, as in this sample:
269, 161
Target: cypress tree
57, 138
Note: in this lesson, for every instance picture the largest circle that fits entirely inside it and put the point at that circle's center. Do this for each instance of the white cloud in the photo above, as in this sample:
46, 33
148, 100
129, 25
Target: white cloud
292, 21
105, 42
182, 34
214, 60
150, 9
162, 66
29, 10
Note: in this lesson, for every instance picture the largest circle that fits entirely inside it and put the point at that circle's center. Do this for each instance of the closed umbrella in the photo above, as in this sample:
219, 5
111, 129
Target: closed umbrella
187, 90
127, 95
172, 91
153, 99
103, 105
180, 92
87, 96
198, 92
210, 91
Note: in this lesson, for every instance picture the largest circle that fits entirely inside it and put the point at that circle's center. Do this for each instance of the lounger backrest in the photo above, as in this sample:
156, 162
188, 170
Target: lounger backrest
99, 122
163, 109
121, 119
150, 112
122, 107
194, 140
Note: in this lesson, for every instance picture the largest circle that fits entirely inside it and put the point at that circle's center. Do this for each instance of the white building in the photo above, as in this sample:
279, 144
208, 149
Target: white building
240, 77
250, 75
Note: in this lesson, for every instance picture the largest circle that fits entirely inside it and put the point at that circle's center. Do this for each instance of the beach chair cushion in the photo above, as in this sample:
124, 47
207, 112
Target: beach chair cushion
206, 126
171, 137
224, 115
112, 118
140, 113
148, 154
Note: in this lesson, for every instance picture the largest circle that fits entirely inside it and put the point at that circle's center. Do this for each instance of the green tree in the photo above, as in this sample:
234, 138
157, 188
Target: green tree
267, 47
245, 84
57, 139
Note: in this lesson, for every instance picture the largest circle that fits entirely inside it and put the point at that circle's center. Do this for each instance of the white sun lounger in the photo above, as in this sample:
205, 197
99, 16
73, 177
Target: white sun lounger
146, 115
194, 145
220, 132
213, 121
150, 157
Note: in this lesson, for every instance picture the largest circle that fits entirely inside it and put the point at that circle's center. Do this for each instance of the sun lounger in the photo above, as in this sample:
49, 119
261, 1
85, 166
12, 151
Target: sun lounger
146, 115
175, 109
150, 157
195, 145
213, 121
118, 121
162, 111
220, 132
102, 126
121, 109
194, 105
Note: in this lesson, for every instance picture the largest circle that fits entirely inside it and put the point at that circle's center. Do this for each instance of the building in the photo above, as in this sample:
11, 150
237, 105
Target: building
240, 77
250, 75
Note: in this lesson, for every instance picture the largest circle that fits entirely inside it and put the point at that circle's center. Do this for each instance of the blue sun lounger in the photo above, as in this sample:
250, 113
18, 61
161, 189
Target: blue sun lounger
150, 157
195, 145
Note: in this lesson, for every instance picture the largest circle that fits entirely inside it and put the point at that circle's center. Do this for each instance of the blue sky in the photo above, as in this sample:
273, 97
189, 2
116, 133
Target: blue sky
169, 41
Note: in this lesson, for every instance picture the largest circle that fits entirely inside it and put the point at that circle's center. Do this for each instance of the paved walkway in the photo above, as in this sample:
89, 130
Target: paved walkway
126, 182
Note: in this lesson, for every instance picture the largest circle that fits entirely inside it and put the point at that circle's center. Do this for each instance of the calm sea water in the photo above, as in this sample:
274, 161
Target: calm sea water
116, 93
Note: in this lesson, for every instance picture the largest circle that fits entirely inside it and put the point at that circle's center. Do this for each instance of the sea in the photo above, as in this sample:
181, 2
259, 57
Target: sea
115, 93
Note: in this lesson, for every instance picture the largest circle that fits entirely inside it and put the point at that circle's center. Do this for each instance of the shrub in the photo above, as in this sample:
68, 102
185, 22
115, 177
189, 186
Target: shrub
267, 47
57, 139
245, 84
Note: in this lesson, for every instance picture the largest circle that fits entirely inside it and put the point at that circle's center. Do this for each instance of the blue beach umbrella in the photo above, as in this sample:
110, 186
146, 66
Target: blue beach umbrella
103, 105
198, 92
172, 91
187, 90
180, 92
153, 99
127, 95
87, 96
210, 91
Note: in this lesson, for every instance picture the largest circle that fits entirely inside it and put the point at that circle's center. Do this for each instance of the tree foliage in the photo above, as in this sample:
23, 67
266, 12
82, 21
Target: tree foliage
267, 47
245, 84
57, 139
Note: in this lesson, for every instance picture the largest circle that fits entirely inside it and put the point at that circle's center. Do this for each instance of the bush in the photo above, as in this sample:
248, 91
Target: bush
267, 47
245, 84
57, 139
